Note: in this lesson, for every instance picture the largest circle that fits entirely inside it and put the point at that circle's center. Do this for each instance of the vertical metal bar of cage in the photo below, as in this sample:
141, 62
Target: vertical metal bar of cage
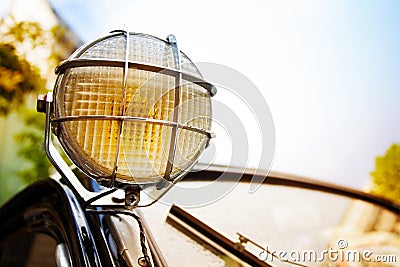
122, 111
177, 89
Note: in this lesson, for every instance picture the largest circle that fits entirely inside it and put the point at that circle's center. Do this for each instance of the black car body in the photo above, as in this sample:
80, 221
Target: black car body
48, 224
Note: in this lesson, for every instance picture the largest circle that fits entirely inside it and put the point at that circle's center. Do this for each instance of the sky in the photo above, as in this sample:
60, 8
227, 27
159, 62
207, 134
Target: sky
328, 70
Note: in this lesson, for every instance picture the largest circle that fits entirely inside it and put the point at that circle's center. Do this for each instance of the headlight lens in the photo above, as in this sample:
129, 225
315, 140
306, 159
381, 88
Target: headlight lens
114, 110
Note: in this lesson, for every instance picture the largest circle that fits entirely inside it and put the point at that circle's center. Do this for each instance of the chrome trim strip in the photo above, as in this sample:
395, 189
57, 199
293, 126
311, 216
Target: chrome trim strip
82, 62
177, 100
209, 134
122, 110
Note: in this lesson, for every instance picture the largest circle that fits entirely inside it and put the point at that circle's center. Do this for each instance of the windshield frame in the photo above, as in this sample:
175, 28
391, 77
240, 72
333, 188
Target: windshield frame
212, 173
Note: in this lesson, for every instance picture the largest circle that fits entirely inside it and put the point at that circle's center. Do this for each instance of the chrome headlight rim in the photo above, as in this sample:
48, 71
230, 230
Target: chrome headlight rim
73, 62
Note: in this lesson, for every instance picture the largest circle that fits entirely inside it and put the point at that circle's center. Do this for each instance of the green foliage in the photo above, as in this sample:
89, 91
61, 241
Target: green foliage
23, 44
31, 147
18, 78
386, 177
19, 81
26, 31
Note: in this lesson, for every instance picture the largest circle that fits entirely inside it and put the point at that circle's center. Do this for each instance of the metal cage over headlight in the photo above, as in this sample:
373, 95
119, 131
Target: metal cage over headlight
131, 109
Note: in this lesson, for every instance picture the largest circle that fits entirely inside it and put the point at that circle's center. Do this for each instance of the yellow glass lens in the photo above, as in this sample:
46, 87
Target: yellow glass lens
130, 127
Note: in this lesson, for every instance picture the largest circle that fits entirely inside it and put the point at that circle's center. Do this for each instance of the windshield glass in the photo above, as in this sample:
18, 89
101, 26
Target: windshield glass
283, 226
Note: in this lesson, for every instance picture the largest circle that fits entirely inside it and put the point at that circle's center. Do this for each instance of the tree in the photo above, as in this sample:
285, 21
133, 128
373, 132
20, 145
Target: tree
386, 177
31, 147
18, 79
27, 54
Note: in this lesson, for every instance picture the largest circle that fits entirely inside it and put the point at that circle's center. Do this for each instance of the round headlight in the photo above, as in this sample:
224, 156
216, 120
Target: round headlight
131, 109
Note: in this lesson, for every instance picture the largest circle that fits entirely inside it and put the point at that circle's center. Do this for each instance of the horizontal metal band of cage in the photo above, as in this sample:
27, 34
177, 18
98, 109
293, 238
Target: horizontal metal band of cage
134, 119
81, 62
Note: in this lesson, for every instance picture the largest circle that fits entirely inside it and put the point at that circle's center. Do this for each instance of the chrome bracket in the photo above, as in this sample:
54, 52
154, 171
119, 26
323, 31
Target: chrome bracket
174, 133
132, 197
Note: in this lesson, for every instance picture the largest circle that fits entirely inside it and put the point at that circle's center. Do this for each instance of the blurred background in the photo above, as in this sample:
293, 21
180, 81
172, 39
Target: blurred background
329, 72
